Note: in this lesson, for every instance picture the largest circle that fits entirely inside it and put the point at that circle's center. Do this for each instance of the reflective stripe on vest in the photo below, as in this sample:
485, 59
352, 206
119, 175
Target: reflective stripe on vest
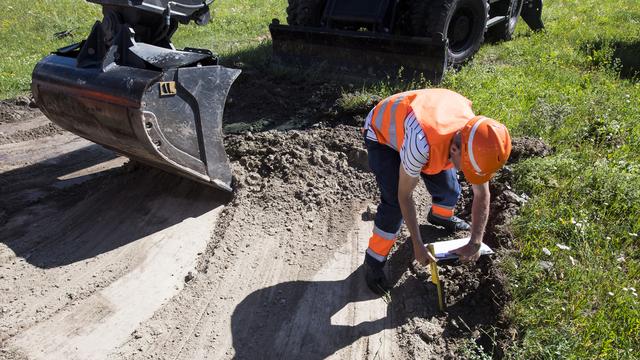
388, 120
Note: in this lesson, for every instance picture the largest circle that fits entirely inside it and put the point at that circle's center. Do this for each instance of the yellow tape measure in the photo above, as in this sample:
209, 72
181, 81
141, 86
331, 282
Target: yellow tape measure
435, 278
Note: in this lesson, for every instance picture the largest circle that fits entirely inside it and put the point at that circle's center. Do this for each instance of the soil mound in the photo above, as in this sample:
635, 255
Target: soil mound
20, 108
526, 147
302, 170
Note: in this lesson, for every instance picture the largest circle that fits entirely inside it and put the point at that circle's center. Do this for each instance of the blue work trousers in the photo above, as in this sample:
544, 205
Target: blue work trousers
385, 164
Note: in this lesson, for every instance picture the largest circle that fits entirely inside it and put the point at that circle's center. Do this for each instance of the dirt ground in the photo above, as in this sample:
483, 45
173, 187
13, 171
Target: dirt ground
102, 259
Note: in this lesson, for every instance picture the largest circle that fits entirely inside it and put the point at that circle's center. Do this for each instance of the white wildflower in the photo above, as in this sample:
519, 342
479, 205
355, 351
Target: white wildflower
563, 247
632, 289
633, 234
610, 293
573, 261
546, 251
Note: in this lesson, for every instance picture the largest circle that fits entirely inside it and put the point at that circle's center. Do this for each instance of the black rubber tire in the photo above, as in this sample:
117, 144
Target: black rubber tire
305, 12
403, 23
504, 31
463, 22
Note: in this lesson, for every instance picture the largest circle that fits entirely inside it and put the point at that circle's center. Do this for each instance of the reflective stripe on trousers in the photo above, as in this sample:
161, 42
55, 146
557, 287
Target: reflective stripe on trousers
385, 164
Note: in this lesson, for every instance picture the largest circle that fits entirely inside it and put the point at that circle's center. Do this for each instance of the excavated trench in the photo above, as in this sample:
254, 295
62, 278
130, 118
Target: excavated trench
273, 273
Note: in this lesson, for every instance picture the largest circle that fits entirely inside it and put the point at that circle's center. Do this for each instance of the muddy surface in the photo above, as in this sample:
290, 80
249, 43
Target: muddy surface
101, 259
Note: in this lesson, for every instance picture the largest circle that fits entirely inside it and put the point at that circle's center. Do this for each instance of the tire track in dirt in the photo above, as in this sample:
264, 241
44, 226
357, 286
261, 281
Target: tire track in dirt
261, 298
88, 248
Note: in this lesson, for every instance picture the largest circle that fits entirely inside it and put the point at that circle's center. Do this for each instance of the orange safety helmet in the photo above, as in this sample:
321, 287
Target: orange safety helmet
486, 146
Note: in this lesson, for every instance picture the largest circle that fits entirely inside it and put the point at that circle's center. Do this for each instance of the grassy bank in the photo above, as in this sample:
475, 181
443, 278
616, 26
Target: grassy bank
571, 85
28, 28
564, 86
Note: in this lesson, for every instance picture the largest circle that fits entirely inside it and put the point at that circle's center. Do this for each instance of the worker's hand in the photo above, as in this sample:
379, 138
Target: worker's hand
423, 257
469, 252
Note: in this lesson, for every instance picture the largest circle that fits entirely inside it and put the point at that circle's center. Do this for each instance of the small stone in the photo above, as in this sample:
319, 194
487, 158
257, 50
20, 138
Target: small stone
546, 251
546, 265
190, 276
563, 247
325, 159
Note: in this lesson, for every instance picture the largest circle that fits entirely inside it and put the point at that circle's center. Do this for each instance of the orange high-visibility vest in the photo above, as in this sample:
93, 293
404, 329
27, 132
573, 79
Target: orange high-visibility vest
440, 113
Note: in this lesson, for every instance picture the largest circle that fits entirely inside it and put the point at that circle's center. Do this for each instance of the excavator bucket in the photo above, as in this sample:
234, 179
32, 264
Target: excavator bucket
359, 53
171, 119
145, 100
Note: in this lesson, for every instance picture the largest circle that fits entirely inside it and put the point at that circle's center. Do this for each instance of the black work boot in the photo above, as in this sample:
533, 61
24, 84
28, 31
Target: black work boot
375, 277
452, 224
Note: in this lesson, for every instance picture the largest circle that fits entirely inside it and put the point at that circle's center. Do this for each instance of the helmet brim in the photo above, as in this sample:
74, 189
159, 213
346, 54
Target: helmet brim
473, 177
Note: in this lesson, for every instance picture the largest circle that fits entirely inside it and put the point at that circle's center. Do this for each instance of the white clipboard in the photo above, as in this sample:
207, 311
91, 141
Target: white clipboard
442, 249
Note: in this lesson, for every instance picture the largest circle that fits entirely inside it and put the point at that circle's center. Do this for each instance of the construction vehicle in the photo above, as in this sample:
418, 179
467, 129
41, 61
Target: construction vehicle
127, 88
423, 37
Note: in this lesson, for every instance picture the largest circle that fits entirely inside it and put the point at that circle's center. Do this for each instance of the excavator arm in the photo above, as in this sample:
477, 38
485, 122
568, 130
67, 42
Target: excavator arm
127, 88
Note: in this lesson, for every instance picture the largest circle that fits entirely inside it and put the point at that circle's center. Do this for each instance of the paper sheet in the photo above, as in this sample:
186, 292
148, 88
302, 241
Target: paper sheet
442, 248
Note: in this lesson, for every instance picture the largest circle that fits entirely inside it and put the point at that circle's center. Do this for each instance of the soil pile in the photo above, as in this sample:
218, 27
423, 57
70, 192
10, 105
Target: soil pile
309, 170
20, 108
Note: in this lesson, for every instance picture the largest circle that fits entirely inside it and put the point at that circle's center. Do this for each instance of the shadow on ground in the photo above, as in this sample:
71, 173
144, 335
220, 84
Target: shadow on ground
293, 320
628, 53
623, 56
50, 226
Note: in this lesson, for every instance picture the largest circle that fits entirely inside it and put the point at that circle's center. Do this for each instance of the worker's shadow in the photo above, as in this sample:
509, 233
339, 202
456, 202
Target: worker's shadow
293, 320
296, 319
50, 223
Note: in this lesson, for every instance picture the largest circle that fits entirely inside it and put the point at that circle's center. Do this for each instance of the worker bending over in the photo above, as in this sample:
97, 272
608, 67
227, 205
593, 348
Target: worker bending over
429, 134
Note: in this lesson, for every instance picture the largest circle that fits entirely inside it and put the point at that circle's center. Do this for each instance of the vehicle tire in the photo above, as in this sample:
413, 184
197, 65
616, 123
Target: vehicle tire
504, 31
305, 12
403, 24
463, 22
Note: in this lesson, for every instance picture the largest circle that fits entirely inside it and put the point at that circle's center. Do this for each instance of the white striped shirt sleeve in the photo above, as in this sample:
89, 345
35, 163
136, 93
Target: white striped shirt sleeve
414, 153
370, 134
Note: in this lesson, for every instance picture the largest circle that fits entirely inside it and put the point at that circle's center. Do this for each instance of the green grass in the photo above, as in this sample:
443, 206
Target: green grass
562, 85
555, 86
27, 31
